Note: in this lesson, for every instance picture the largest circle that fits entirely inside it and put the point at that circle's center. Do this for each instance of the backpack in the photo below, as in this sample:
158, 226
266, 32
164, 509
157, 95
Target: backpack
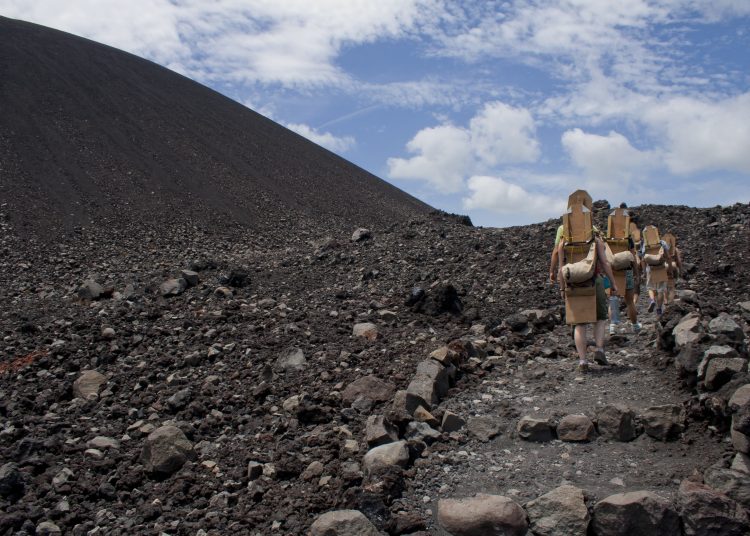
671, 241
617, 240
579, 245
653, 249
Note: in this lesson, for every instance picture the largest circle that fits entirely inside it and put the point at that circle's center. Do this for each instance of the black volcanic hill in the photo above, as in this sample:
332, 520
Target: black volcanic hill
92, 136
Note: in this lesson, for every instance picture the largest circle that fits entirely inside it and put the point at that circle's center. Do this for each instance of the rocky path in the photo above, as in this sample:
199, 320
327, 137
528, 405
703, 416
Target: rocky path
551, 388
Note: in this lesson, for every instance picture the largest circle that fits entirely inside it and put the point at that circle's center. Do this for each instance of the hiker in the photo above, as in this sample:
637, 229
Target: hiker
656, 259
675, 267
623, 257
582, 263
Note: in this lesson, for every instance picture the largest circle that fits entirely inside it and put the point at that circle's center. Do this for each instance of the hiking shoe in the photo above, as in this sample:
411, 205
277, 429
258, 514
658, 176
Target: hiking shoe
583, 368
600, 357
651, 306
637, 327
612, 329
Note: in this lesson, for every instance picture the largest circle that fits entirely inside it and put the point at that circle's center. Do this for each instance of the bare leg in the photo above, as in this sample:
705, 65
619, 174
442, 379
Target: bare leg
630, 302
579, 334
599, 329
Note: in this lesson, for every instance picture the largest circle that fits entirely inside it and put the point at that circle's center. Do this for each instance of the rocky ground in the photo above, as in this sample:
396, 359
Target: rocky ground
206, 380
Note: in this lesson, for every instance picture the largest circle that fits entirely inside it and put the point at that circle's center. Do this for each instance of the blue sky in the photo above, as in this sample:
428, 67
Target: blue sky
496, 109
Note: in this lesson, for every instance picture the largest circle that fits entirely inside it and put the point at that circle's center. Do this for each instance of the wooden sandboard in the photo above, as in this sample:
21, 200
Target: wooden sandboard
620, 280
659, 274
580, 305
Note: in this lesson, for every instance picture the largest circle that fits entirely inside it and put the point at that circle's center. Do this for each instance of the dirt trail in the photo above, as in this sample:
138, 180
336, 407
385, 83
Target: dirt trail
552, 388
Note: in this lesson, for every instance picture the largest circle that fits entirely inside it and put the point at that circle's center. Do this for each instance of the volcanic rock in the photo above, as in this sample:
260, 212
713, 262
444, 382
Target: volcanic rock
734, 484
721, 370
452, 422
534, 429
706, 512
343, 523
166, 450
485, 427
724, 326
688, 331
713, 352
366, 330
637, 512
576, 428
90, 290
379, 431
493, 515
361, 234
395, 453
88, 383
11, 481
173, 287
292, 359
370, 387
617, 422
560, 512
664, 423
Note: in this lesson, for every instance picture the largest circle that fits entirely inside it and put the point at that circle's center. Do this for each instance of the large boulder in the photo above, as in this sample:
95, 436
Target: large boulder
688, 330
617, 422
343, 523
87, 385
561, 512
725, 327
576, 428
664, 423
166, 450
483, 515
721, 370
715, 351
388, 455
370, 387
734, 484
638, 512
740, 398
422, 391
706, 512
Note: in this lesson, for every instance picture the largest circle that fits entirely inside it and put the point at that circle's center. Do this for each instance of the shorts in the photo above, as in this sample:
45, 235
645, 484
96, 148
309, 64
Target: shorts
657, 287
602, 302
629, 280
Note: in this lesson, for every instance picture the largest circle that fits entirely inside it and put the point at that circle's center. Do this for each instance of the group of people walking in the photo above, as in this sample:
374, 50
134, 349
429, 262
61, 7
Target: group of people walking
598, 271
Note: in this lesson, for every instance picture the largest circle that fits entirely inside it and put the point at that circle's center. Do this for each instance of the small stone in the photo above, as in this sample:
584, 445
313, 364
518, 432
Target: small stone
165, 450
422, 415
254, 470
108, 333
390, 454
360, 234
292, 360
452, 422
378, 431
173, 287
370, 387
47, 527
11, 481
315, 469
88, 383
103, 442
366, 330
191, 278
343, 523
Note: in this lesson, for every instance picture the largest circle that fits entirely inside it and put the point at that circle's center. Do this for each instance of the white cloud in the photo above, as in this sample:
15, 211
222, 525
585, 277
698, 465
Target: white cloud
293, 43
500, 196
325, 139
605, 159
443, 155
446, 155
502, 134
703, 136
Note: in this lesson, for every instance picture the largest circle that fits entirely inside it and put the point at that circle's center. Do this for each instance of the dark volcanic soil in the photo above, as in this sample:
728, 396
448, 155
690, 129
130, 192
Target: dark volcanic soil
90, 135
236, 405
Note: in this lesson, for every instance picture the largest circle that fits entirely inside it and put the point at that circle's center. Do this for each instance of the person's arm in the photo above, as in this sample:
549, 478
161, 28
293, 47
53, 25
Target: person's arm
601, 258
553, 265
560, 258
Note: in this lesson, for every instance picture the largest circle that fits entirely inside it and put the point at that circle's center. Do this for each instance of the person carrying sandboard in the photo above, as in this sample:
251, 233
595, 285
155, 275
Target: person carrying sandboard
656, 258
622, 256
582, 263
